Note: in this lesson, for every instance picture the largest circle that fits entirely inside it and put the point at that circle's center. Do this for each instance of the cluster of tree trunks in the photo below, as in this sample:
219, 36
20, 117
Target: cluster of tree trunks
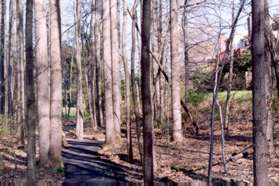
44, 72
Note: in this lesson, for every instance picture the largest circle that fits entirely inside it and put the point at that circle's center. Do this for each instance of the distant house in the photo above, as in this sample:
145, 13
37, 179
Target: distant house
243, 43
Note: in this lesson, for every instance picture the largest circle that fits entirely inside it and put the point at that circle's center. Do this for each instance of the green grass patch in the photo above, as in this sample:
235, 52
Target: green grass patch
8, 125
69, 114
197, 97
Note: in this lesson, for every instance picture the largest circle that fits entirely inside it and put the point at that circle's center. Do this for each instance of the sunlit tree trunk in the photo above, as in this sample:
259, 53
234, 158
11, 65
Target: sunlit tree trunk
43, 94
260, 94
55, 86
42, 79
176, 53
79, 110
110, 129
97, 57
30, 102
92, 71
115, 54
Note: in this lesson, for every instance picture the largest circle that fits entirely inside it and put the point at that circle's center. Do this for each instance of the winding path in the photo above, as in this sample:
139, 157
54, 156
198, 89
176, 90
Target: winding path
84, 166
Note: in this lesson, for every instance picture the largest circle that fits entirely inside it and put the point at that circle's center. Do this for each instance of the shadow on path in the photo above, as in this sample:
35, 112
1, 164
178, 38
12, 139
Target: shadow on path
84, 166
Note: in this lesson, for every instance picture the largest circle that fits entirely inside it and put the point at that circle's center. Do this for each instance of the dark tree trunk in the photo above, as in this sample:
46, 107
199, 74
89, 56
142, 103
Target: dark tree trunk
260, 106
146, 84
2, 51
10, 61
31, 117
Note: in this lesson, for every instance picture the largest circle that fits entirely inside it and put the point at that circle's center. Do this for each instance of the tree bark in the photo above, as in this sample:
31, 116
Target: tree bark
98, 59
30, 102
135, 94
146, 91
10, 61
127, 83
110, 129
269, 58
55, 86
92, 71
176, 54
161, 49
43, 89
115, 55
260, 94
20, 66
2, 57
79, 109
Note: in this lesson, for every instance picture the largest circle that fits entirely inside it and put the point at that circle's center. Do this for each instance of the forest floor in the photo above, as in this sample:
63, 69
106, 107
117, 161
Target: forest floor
176, 162
187, 161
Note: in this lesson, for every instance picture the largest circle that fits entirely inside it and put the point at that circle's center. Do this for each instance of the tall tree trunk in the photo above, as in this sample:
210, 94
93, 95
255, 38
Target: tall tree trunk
55, 86
10, 61
115, 57
110, 129
176, 48
161, 53
260, 94
268, 78
92, 71
127, 83
79, 110
30, 102
2, 56
146, 83
186, 53
20, 79
97, 60
43, 94
135, 106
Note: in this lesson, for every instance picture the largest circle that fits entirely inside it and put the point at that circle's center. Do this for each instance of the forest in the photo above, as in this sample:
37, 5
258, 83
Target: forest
139, 92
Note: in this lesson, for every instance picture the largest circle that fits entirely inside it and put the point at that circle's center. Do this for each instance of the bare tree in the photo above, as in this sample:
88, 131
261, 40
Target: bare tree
217, 81
92, 71
79, 110
98, 57
146, 91
55, 86
135, 95
30, 102
270, 51
42, 66
127, 82
10, 61
20, 79
110, 129
260, 94
2, 51
115, 57
176, 53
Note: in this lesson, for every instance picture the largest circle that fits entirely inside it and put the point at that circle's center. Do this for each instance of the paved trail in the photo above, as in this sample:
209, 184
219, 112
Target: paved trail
84, 166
